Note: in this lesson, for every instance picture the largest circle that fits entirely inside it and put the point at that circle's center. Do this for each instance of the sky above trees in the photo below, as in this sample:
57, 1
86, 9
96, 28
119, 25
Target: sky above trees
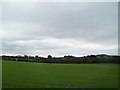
59, 28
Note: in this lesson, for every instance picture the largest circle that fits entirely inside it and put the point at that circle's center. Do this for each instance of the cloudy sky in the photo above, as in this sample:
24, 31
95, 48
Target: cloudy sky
59, 28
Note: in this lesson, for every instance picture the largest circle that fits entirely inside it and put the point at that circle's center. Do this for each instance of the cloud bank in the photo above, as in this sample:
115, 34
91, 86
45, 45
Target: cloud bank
37, 28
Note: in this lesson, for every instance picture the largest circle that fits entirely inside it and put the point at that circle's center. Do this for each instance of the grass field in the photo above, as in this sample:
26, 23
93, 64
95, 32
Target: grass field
0, 74
40, 75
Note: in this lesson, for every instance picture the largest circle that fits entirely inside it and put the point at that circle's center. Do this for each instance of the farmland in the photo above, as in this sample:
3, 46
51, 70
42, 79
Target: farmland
46, 75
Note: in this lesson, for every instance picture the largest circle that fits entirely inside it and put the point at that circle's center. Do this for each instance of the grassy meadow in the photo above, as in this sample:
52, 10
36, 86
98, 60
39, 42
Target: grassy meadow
41, 75
0, 74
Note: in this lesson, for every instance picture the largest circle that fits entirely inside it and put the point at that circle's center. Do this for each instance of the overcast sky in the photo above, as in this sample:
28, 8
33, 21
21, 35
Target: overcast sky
36, 28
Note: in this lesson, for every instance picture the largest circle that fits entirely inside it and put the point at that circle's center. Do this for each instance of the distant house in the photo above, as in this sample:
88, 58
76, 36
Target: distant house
102, 56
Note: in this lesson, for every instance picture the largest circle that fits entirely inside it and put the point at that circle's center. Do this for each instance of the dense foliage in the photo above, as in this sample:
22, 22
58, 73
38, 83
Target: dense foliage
66, 59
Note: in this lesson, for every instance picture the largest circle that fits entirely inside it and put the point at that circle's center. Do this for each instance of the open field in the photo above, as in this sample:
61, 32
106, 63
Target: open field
0, 74
41, 75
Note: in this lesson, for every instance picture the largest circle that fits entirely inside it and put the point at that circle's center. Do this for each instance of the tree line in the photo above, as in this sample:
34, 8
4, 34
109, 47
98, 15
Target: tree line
66, 59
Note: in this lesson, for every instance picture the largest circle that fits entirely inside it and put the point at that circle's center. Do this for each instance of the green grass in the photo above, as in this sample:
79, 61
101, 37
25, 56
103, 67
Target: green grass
0, 74
40, 75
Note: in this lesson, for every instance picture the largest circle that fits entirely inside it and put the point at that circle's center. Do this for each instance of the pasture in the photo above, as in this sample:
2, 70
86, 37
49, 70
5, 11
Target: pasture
44, 75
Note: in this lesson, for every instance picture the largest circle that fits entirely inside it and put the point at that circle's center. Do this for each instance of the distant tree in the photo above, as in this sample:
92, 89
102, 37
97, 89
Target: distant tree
65, 59
49, 56
36, 56
25, 56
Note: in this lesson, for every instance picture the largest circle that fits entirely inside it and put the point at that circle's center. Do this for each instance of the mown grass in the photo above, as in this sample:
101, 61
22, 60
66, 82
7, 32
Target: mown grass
0, 74
41, 75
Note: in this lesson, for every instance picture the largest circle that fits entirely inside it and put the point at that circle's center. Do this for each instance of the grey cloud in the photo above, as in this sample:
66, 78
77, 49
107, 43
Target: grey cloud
94, 23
